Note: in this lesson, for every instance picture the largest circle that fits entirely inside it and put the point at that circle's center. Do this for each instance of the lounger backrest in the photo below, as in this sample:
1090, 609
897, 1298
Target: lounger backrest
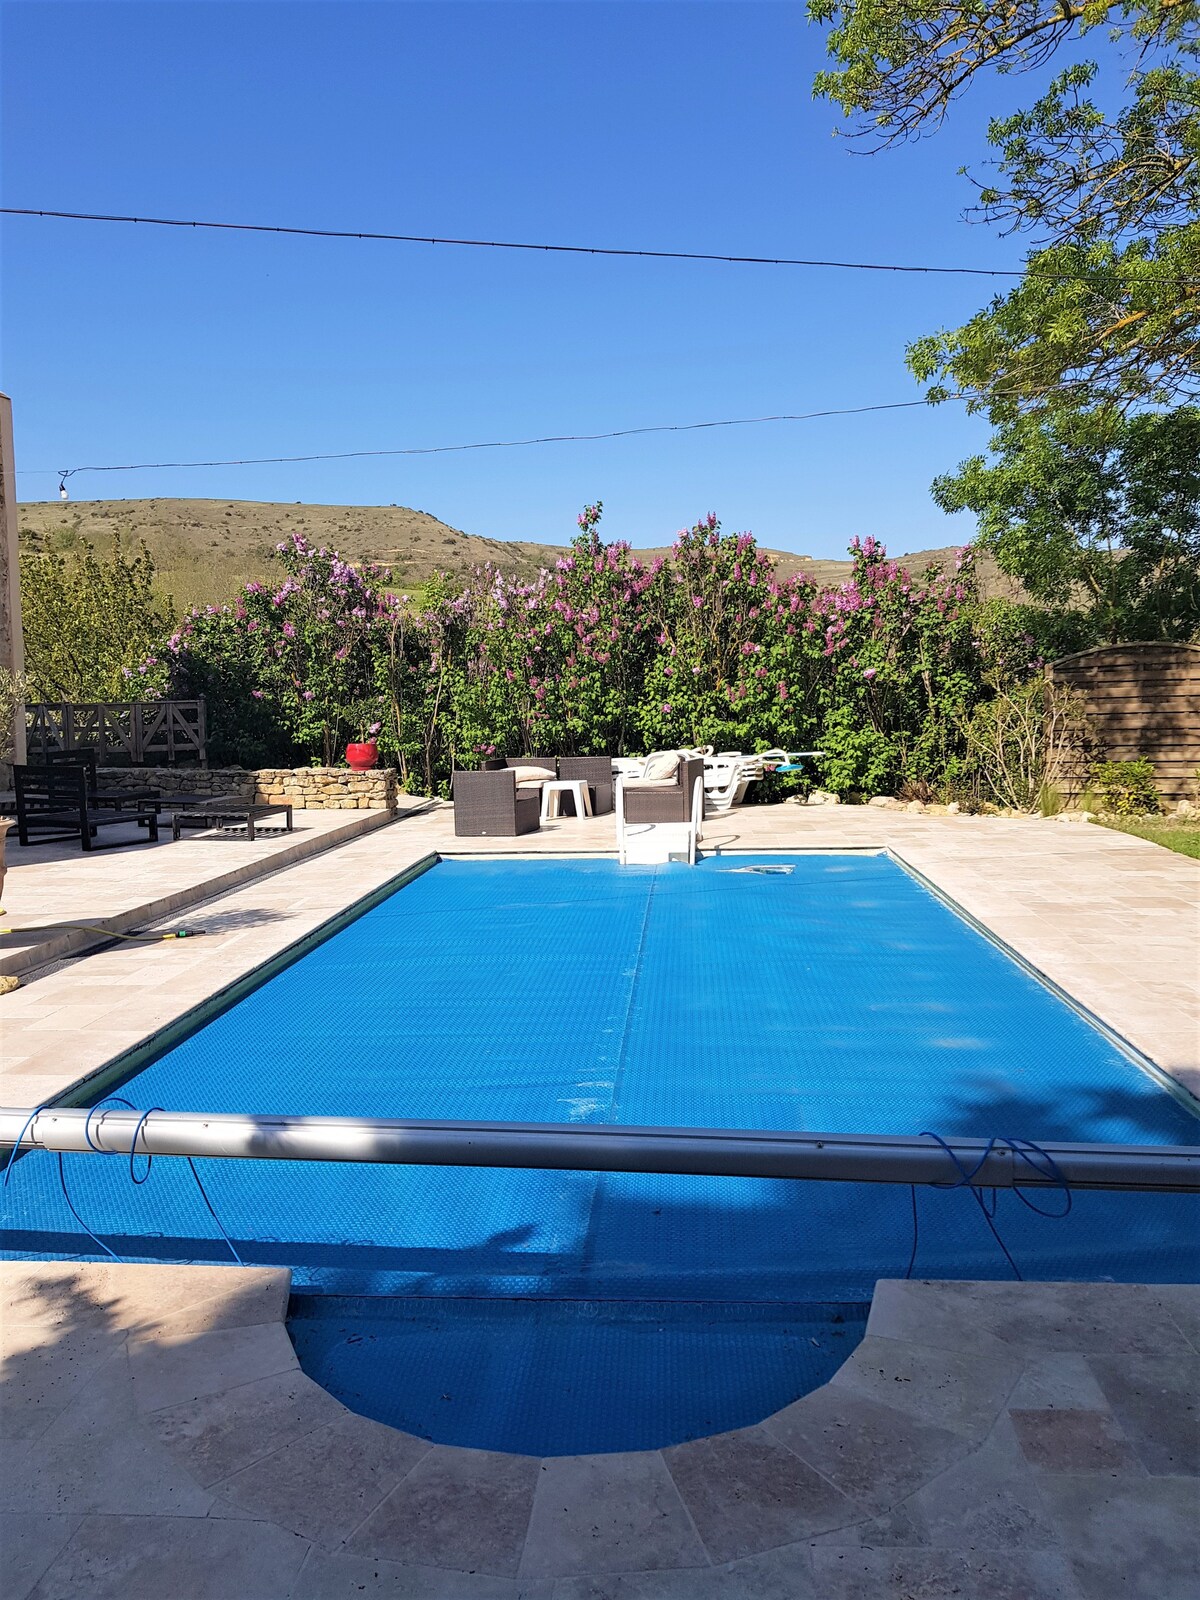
84, 757
50, 789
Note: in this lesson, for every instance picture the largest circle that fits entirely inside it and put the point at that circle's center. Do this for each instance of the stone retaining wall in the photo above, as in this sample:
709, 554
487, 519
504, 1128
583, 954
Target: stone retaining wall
306, 788
329, 788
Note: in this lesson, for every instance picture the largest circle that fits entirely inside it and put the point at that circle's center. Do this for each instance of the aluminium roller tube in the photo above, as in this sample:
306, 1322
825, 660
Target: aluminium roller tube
855, 1158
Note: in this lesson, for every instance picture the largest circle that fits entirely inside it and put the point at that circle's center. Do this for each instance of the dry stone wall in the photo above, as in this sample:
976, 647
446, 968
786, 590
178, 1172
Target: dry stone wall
305, 788
328, 788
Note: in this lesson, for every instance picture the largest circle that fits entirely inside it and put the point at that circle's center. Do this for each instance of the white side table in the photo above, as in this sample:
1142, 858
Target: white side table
553, 791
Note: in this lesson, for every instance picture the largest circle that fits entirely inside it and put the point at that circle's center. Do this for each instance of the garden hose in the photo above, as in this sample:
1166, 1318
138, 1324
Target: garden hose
111, 933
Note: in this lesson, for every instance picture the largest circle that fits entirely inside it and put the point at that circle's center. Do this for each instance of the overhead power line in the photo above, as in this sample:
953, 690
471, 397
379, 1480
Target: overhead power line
552, 249
485, 444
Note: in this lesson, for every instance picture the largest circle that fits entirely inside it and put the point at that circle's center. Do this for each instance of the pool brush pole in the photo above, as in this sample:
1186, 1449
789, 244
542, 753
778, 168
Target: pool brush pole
853, 1158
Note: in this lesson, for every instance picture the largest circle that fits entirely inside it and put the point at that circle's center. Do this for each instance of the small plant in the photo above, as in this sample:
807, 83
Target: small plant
915, 789
1049, 800
1126, 788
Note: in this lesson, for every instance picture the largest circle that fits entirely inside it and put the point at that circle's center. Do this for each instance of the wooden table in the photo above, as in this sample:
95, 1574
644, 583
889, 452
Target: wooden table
220, 813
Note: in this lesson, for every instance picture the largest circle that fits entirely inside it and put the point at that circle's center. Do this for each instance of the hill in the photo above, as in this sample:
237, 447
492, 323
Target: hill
206, 549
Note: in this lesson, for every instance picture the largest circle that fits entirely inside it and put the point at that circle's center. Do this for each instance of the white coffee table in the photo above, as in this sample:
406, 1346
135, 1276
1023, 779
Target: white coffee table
555, 788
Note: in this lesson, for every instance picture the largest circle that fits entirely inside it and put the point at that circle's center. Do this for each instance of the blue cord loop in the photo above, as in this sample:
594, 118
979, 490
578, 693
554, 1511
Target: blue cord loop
1030, 1153
116, 1099
133, 1177
29, 1121
109, 1099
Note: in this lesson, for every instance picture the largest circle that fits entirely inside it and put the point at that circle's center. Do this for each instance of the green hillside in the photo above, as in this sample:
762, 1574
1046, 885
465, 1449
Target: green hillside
205, 549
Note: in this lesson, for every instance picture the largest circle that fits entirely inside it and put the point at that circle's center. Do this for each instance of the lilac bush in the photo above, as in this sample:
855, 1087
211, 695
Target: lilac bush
605, 654
286, 668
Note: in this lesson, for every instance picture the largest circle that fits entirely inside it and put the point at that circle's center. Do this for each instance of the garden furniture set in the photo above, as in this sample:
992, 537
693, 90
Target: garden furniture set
512, 795
60, 798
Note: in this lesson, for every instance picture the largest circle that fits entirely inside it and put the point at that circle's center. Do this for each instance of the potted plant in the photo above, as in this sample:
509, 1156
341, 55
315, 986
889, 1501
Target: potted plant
364, 754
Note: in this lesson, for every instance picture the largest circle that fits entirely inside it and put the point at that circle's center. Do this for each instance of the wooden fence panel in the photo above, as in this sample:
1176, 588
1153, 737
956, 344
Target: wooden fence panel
133, 733
1144, 700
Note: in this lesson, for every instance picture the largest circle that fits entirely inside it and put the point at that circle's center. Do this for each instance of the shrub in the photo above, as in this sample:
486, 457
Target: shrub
12, 705
89, 621
1021, 739
1126, 788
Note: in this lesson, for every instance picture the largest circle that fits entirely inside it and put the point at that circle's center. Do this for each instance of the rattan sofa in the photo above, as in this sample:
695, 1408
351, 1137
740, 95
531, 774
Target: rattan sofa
489, 804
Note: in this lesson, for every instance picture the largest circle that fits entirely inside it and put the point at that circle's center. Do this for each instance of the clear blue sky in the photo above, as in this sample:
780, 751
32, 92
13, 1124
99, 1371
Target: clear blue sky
668, 126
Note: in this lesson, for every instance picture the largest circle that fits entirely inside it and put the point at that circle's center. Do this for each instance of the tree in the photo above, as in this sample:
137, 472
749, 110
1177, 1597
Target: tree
1094, 507
90, 623
1108, 308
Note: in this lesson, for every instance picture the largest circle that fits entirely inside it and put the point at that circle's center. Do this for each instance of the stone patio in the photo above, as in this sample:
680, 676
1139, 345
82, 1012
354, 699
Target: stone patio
988, 1440
133, 881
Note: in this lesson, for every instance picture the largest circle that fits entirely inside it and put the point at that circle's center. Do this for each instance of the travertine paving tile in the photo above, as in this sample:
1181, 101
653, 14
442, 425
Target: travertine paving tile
326, 1482
1156, 1401
152, 1557
943, 1575
222, 1433
467, 1509
747, 1492
607, 1513
173, 1369
29, 1542
1128, 1539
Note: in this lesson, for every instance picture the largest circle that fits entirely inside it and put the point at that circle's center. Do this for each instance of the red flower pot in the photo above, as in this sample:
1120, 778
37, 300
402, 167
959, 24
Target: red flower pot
362, 757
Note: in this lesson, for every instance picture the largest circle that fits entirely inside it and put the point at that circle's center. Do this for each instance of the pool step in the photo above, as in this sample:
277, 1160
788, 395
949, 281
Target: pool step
655, 843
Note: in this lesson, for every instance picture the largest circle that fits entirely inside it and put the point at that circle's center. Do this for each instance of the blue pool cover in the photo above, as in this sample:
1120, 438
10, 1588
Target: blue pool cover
838, 996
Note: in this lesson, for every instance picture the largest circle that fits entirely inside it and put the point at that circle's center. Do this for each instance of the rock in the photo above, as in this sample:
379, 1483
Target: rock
917, 807
953, 809
884, 802
822, 797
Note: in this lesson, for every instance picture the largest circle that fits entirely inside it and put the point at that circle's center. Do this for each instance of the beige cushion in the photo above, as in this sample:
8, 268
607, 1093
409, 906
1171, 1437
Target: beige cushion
533, 775
651, 783
661, 767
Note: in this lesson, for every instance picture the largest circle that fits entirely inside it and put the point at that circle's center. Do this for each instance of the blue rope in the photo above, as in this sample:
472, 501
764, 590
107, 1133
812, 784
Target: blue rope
62, 1181
115, 1099
133, 1177
212, 1213
1027, 1150
100, 1150
29, 1121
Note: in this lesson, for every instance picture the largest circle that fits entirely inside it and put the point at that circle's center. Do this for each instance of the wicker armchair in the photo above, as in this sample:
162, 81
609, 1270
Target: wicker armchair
666, 803
596, 772
489, 804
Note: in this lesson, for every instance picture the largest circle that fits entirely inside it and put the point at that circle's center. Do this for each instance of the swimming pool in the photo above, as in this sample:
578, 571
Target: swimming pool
841, 995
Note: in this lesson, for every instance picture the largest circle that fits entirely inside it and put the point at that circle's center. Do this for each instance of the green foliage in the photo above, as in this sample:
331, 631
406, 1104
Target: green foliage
605, 655
13, 694
89, 623
1022, 739
1182, 837
1126, 788
286, 671
1107, 307
1096, 508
